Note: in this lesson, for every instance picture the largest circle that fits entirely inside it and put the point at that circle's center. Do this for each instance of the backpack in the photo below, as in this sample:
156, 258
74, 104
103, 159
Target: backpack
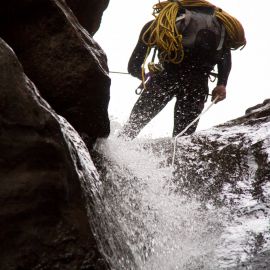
200, 30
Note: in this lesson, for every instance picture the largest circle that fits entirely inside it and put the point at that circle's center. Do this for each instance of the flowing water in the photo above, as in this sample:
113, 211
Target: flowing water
162, 229
149, 224
145, 217
144, 221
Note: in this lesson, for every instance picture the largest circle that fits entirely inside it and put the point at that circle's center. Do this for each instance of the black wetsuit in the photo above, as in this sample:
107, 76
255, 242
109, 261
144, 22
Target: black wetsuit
187, 81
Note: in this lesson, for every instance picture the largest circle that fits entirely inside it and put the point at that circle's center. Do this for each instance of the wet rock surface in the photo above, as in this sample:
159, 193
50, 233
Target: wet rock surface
47, 178
259, 110
44, 215
228, 167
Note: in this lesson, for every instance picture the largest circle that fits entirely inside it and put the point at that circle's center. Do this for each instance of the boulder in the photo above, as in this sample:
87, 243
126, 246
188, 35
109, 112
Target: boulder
47, 181
259, 110
65, 63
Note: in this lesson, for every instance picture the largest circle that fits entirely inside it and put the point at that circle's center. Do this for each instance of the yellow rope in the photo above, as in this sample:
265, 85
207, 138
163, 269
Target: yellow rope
164, 34
234, 29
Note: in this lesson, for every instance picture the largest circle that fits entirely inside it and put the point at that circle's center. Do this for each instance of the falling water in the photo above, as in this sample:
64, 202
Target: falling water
143, 222
161, 228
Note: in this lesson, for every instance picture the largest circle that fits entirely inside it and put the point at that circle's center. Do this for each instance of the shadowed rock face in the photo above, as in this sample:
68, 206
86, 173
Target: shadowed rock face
47, 178
61, 58
89, 13
43, 215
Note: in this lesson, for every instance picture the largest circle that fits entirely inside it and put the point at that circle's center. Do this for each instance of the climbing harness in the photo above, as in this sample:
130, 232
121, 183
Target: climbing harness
154, 67
188, 126
141, 87
212, 76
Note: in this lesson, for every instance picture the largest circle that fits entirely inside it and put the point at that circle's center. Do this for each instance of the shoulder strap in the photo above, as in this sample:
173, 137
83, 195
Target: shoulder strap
186, 17
222, 38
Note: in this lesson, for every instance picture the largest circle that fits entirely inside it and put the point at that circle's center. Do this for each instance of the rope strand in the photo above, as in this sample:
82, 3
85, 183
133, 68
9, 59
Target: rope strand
188, 126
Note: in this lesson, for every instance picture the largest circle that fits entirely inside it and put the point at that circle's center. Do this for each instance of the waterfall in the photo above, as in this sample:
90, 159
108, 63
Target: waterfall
160, 228
145, 218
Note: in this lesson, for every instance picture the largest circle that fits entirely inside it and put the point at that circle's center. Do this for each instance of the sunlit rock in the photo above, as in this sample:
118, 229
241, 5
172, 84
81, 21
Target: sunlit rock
47, 181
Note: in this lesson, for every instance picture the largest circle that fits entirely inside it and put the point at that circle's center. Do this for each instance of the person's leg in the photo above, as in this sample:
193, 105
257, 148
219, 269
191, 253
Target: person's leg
152, 100
189, 104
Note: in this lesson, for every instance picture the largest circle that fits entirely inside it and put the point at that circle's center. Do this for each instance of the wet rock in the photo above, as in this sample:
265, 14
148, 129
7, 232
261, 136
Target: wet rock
62, 59
262, 109
44, 215
224, 154
228, 167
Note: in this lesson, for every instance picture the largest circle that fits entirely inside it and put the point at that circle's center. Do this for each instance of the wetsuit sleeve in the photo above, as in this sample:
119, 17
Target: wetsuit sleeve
138, 55
224, 67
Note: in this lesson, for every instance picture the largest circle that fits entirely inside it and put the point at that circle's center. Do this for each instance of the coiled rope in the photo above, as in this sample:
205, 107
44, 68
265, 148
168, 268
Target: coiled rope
163, 32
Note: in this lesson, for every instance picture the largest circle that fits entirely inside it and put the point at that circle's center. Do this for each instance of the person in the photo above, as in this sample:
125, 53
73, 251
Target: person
203, 38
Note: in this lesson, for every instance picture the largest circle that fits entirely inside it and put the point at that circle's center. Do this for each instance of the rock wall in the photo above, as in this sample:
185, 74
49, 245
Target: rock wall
47, 215
62, 59
89, 13
44, 222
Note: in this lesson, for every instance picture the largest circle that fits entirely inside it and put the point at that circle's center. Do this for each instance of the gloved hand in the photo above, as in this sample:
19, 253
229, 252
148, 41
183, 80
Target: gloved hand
219, 92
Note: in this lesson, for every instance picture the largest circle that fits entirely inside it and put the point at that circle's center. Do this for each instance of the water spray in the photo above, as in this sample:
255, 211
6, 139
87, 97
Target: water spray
188, 126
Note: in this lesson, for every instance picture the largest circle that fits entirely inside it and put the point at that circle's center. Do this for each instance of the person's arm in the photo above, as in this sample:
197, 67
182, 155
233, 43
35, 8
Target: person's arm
224, 68
138, 55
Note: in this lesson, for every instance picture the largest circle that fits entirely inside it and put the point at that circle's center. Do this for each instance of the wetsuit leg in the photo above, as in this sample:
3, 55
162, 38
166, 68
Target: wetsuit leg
189, 104
152, 100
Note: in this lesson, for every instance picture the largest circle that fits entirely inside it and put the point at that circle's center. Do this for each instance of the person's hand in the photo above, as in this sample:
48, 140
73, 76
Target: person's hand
219, 93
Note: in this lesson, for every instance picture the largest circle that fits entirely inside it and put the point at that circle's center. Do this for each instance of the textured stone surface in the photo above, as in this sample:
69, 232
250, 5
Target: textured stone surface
89, 13
43, 213
62, 59
259, 110
228, 167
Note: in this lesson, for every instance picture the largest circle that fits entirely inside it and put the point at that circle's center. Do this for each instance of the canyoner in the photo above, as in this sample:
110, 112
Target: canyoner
175, 56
